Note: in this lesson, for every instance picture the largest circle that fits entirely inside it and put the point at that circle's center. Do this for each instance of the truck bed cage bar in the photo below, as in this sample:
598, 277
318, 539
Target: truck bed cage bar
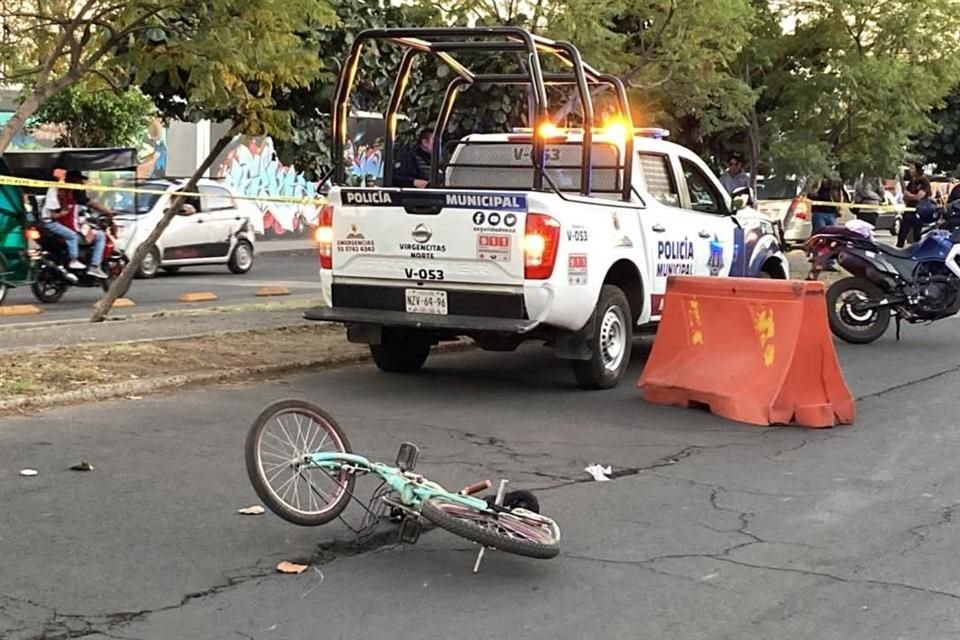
442, 42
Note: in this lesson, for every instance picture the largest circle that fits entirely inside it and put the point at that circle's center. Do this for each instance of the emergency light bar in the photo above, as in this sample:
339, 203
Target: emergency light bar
646, 132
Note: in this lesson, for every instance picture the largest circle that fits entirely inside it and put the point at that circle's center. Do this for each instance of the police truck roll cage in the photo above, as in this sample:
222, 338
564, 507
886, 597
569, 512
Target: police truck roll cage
442, 43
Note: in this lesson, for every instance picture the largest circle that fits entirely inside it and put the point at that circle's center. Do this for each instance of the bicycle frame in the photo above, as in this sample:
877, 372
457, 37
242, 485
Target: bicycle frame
412, 489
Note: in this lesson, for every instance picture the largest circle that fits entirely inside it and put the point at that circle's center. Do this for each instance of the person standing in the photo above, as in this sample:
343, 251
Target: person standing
916, 195
954, 190
825, 215
868, 191
734, 177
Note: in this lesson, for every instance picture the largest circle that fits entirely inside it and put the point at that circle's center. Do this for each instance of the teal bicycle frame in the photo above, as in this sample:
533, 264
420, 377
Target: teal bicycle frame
412, 489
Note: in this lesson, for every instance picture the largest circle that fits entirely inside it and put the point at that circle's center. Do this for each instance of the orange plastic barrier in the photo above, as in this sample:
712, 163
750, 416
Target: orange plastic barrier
756, 351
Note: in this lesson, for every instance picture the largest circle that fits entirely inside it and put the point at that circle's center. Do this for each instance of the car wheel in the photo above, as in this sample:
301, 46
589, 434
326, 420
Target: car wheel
611, 343
400, 351
241, 260
150, 265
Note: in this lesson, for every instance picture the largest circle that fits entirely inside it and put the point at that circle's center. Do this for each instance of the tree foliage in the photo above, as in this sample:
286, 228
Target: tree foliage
50, 45
97, 116
941, 144
226, 60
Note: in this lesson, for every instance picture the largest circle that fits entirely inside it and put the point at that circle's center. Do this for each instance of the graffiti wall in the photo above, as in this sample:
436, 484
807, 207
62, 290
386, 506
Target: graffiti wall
251, 167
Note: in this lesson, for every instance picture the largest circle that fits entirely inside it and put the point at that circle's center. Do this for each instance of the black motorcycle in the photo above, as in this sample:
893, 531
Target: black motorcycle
919, 283
52, 274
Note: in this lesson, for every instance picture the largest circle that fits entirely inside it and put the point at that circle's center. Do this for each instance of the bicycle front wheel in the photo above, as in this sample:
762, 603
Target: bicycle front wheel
513, 532
279, 439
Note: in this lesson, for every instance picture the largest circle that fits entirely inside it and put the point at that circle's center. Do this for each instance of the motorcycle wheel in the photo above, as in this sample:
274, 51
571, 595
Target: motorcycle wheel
3, 285
850, 325
48, 287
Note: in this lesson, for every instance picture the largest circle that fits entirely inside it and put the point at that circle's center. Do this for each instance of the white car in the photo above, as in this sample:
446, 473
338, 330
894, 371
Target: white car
487, 257
216, 228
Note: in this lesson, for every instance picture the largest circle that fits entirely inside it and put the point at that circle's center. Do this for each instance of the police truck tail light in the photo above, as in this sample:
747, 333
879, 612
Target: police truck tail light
540, 244
324, 237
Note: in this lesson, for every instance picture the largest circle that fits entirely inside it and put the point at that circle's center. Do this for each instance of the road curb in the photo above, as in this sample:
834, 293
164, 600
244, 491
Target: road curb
155, 385
20, 310
198, 296
172, 312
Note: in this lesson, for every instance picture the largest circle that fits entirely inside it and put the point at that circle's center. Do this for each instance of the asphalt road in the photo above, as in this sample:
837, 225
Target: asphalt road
712, 529
278, 263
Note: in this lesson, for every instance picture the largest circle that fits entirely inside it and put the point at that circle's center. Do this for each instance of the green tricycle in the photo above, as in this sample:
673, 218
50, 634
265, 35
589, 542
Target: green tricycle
30, 254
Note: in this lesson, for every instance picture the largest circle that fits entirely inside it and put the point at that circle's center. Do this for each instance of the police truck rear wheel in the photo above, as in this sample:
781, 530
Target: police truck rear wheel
611, 343
400, 351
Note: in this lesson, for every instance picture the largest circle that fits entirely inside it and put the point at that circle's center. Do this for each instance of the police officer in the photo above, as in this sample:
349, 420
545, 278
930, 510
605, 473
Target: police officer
412, 168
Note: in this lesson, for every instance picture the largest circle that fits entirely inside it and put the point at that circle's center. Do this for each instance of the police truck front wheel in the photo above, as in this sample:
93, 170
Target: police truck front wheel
400, 351
610, 344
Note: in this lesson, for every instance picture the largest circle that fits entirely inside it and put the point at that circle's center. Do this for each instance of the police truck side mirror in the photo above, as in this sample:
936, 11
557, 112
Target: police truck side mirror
740, 198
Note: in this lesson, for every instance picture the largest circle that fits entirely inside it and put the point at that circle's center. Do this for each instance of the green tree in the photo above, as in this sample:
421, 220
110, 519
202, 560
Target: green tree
682, 67
848, 86
486, 108
224, 60
941, 145
97, 116
47, 46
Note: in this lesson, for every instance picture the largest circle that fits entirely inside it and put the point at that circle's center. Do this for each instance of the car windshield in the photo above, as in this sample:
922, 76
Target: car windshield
136, 203
778, 189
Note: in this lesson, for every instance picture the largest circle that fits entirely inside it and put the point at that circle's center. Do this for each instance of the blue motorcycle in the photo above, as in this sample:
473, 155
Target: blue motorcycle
919, 283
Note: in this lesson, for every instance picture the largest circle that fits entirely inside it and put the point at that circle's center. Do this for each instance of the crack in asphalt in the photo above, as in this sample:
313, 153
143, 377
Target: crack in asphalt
626, 472
921, 531
59, 626
909, 383
723, 557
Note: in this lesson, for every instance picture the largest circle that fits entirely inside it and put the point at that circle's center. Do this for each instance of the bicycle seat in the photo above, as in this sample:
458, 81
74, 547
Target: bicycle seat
906, 252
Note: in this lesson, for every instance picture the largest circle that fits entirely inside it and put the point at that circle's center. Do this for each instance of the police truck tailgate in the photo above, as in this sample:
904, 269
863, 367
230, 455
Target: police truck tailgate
419, 237
427, 252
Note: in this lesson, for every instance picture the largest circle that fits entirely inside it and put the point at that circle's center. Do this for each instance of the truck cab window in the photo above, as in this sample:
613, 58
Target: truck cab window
704, 196
659, 178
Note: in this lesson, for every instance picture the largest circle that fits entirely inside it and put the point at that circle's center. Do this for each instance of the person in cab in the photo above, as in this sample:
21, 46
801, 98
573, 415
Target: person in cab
412, 166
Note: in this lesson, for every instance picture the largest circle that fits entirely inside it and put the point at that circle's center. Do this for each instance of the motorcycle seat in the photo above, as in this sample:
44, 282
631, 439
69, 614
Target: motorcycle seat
906, 252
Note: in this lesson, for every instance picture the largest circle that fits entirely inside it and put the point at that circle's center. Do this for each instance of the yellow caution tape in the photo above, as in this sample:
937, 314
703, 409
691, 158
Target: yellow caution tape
871, 207
45, 184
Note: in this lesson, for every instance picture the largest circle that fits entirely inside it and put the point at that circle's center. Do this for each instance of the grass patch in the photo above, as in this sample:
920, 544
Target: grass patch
67, 368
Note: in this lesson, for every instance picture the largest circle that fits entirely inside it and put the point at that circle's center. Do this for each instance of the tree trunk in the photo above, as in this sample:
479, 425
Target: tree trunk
23, 113
34, 100
103, 306
753, 138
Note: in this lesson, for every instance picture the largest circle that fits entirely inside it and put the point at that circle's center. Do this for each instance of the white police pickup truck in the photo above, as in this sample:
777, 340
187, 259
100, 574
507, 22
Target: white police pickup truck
487, 258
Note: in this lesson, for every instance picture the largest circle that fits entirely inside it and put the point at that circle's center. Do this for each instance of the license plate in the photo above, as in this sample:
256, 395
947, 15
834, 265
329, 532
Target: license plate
427, 301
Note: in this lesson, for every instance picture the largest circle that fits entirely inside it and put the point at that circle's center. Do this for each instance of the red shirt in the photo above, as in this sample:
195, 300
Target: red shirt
68, 208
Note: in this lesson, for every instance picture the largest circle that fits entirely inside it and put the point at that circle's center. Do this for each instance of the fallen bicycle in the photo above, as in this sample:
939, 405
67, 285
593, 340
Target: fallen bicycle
302, 466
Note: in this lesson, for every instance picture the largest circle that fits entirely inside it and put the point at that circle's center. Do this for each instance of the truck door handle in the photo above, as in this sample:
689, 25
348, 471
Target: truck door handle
659, 228
704, 234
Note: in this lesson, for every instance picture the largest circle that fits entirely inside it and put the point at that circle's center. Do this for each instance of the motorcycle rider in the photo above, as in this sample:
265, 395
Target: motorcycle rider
60, 205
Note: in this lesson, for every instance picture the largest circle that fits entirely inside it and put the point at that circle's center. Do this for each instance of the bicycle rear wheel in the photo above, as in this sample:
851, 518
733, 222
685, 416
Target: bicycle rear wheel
278, 440
530, 535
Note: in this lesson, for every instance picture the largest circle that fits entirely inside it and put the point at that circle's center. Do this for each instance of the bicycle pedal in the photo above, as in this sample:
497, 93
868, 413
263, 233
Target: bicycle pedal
410, 530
